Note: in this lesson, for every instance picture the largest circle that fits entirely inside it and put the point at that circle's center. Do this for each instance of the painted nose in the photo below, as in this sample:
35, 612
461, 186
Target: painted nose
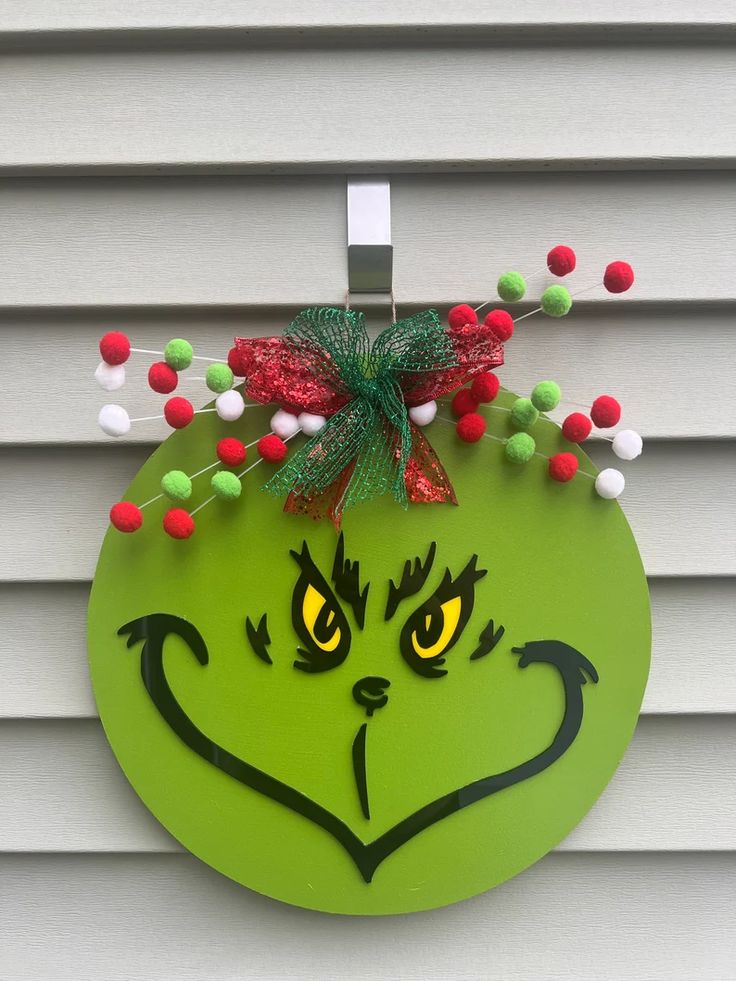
370, 693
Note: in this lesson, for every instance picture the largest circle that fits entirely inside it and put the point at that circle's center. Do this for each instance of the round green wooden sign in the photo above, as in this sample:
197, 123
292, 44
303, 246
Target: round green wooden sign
384, 721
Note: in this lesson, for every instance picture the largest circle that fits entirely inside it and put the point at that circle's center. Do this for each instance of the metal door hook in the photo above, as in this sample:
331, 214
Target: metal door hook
370, 253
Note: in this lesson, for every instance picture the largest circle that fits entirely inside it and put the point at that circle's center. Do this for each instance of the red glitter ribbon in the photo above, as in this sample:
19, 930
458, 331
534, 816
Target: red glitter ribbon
324, 364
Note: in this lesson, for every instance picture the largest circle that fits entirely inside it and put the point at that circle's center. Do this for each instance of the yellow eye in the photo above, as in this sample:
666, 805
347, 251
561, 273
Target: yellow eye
319, 620
443, 620
438, 623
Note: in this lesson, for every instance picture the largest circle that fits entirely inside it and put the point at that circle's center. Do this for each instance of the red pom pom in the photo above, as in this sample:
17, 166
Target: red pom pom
576, 428
470, 427
561, 260
231, 451
126, 516
463, 402
272, 449
563, 467
618, 277
605, 411
485, 387
461, 315
115, 348
235, 362
178, 523
178, 412
162, 378
501, 323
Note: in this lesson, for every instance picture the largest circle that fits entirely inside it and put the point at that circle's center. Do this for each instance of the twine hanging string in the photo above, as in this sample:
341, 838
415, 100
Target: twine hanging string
393, 304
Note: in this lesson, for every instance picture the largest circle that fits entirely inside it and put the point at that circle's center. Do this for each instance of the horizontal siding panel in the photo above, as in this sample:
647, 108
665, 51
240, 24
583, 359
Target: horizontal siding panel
444, 108
569, 918
43, 659
678, 497
627, 351
693, 626
674, 791
422, 18
135, 97
281, 241
43, 651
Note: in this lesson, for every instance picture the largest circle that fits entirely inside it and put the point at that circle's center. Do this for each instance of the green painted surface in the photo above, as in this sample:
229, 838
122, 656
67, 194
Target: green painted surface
562, 564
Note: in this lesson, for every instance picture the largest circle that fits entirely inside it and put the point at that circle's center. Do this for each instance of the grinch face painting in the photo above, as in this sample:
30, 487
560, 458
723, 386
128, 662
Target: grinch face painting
322, 625
385, 719
404, 673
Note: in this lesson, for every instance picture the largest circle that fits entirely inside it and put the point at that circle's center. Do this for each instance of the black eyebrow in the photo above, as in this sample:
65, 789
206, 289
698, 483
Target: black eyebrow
411, 582
346, 577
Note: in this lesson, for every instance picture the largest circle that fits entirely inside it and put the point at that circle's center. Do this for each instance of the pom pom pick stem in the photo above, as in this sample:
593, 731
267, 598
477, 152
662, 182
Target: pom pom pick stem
240, 475
160, 354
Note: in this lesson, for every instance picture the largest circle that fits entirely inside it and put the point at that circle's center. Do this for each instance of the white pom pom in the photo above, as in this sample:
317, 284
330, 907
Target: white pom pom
114, 420
422, 415
110, 376
627, 445
310, 424
284, 424
230, 405
610, 483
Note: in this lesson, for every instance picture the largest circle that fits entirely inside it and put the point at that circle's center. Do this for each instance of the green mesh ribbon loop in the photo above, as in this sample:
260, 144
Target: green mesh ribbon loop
371, 433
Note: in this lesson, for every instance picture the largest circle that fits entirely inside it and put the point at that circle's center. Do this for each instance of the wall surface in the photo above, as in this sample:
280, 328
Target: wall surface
178, 168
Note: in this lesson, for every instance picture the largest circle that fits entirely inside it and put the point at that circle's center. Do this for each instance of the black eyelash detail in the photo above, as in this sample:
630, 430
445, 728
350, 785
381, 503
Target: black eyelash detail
346, 577
467, 578
489, 637
259, 637
412, 581
464, 587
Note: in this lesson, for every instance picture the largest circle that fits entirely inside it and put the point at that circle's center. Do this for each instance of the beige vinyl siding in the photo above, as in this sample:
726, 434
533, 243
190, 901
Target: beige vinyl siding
431, 110
168, 916
601, 347
256, 241
178, 168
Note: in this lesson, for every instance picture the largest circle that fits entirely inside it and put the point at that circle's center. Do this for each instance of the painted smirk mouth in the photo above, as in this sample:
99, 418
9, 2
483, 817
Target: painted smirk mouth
572, 667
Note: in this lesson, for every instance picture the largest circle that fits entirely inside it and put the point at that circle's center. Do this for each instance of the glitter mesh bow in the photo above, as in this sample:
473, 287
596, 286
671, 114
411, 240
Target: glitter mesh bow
325, 364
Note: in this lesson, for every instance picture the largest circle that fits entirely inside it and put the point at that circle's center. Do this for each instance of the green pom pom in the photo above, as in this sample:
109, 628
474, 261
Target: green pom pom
556, 301
511, 287
520, 448
178, 354
226, 485
546, 396
176, 485
523, 414
219, 378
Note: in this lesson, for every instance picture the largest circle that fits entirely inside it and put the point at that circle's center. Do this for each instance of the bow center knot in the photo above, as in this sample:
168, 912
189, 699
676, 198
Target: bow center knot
368, 389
